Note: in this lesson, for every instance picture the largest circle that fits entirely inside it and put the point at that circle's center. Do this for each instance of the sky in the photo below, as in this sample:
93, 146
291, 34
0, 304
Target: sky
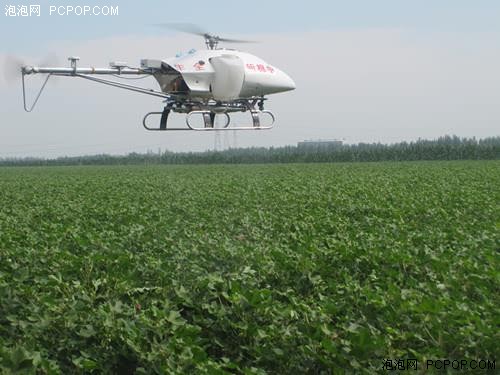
366, 71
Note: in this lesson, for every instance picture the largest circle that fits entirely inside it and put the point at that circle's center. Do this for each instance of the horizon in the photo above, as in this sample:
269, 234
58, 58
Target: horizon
160, 151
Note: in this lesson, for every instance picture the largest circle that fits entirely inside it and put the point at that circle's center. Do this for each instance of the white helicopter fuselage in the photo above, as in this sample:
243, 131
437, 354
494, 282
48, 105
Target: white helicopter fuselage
219, 74
206, 84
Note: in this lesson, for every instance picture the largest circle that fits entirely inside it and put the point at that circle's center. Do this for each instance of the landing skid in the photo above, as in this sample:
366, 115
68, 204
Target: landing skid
208, 121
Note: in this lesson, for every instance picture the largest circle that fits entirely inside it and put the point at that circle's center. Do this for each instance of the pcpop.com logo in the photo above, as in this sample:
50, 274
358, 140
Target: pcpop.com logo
83, 10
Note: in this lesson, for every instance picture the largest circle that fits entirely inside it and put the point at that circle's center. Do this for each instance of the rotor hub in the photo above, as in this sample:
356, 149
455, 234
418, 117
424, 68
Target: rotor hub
211, 41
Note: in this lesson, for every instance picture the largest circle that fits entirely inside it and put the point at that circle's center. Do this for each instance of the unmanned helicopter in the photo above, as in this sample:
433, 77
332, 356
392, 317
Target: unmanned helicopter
207, 83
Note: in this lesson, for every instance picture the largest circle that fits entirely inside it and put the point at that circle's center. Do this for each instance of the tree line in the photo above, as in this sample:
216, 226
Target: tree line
443, 148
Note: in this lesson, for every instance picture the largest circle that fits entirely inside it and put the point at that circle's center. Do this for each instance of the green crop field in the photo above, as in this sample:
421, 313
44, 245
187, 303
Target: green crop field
252, 269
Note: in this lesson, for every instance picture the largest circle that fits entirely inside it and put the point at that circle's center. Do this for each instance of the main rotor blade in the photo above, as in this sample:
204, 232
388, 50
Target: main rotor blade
196, 30
183, 27
227, 40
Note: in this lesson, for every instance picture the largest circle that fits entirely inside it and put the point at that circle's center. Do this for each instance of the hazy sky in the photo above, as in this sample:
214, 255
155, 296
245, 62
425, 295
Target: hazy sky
365, 70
